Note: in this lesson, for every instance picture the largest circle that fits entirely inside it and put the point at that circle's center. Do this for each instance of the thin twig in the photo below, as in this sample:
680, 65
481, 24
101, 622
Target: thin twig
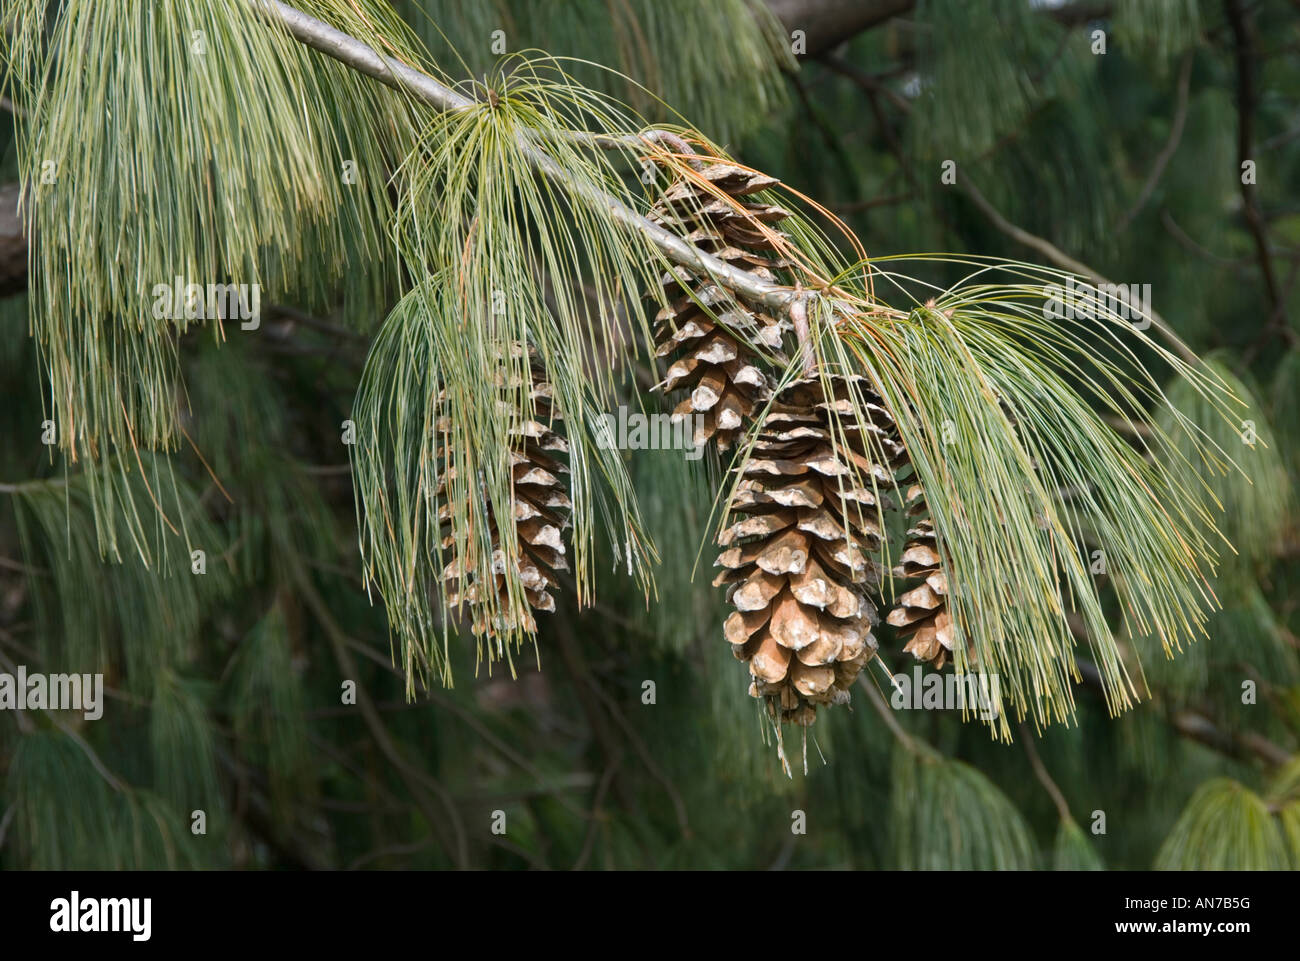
417, 781
1187, 242
12, 565
1243, 32
1190, 724
302, 852
582, 678
1060, 258
203, 460
1170, 147
344, 761
474, 723
116, 783
870, 84
597, 818
638, 745
878, 702
1199, 728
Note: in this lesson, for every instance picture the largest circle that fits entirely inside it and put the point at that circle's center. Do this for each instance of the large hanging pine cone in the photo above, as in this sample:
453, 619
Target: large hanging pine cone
922, 612
799, 560
540, 508
705, 329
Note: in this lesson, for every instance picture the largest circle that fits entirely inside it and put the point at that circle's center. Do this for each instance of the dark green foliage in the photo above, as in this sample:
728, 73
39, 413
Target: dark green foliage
626, 739
1073, 850
1225, 827
945, 815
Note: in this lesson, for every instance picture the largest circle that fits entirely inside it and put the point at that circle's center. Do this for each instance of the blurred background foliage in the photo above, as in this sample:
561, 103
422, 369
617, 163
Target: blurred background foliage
226, 692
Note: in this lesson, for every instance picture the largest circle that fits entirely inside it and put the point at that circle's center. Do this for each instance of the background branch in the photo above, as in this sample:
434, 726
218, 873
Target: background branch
828, 23
1061, 259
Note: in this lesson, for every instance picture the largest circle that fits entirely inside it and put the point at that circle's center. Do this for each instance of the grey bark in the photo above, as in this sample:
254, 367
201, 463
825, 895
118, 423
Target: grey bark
828, 23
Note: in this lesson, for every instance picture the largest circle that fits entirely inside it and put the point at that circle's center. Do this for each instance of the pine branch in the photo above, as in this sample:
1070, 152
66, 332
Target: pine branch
1244, 745
393, 73
1059, 257
1199, 728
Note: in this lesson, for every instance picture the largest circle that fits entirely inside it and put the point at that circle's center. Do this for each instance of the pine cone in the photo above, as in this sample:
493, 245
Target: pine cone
710, 354
922, 613
797, 561
540, 506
